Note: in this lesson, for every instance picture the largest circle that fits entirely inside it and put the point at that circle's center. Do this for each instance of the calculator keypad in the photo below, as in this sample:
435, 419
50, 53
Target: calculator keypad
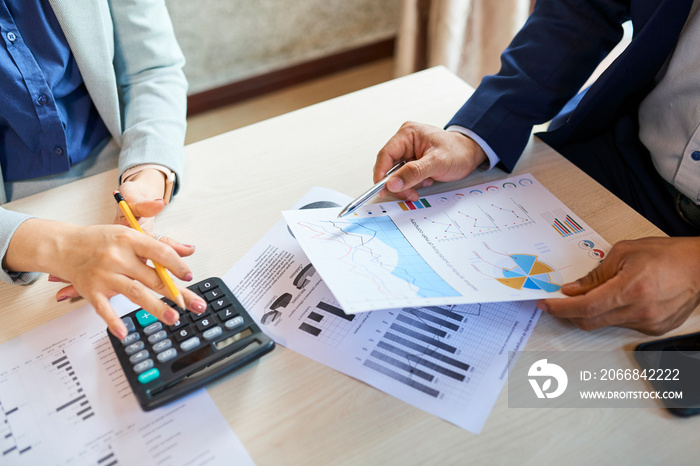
155, 355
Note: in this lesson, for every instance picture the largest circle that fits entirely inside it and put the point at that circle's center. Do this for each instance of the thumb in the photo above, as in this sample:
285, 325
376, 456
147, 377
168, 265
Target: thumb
596, 277
411, 174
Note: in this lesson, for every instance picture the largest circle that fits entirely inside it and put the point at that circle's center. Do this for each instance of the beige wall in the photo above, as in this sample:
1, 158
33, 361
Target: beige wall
229, 40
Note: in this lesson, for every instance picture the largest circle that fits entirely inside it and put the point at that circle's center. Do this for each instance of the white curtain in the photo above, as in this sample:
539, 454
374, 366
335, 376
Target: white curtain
466, 36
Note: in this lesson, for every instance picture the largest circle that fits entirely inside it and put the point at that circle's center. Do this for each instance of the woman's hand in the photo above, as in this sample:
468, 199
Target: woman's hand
144, 194
102, 261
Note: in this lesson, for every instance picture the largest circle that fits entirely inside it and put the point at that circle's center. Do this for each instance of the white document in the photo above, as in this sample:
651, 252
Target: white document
64, 400
510, 240
450, 361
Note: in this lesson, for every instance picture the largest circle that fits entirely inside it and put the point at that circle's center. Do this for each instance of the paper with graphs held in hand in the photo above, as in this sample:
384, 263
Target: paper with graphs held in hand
450, 361
510, 240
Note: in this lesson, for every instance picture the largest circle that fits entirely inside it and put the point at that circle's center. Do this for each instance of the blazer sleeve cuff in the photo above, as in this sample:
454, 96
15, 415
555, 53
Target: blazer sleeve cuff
9, 222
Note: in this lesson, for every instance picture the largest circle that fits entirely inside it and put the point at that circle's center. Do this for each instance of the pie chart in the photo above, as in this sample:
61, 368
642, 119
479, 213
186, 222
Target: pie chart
529, 273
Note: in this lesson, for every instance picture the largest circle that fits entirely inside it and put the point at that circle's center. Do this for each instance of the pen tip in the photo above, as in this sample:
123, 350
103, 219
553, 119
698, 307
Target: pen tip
118, 196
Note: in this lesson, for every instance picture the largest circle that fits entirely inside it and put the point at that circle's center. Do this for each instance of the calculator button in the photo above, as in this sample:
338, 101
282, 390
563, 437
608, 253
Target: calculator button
234, 323
167, 355
178, 324
129, 322
194, 316
134, 347
162, 345
153, 328
131, 338
226, 314
189, 344
213, 294
156, 337
206, 286
183, 333
138, 357
143, 366
212, 333
204, 323
220, 303
149, 376
145, 319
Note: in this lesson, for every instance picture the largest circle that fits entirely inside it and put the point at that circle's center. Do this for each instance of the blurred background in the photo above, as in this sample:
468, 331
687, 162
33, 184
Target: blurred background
251, 60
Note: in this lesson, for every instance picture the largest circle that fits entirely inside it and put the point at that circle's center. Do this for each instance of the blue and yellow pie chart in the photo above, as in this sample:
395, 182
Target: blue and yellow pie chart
529, 273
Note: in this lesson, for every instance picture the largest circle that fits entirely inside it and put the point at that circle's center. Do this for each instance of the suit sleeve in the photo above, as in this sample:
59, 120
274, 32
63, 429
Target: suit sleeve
152, 86
544, 67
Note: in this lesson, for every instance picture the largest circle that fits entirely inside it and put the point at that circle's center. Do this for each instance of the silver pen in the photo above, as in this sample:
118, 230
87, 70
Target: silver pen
370, 193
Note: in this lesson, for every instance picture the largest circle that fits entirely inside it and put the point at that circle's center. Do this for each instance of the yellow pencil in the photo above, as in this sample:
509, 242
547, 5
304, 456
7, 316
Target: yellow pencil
160, 270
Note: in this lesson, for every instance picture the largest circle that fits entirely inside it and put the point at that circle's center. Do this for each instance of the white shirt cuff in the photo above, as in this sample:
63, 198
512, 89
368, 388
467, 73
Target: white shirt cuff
493, 158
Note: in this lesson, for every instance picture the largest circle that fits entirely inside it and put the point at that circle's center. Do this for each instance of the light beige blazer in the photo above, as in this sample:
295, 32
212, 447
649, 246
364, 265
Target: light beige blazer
132, 67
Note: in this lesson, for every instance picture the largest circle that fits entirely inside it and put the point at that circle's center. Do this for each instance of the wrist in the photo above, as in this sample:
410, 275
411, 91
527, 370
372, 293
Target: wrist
472, 151
37, 246
159, 179
152, 181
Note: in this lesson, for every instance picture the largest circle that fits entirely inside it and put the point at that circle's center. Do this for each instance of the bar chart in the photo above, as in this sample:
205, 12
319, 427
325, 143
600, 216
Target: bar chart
328, 323
563, 223
416, 349
76, 405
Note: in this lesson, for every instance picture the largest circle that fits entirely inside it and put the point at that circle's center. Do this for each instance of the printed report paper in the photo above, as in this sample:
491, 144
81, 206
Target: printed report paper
510, 240
450, 361
64, 400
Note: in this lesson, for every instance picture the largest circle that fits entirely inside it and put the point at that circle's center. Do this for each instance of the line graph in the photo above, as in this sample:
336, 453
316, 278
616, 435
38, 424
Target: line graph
508, 215
444, 228
380, 262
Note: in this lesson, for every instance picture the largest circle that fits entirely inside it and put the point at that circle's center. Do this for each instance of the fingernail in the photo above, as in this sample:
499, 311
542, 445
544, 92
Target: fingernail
171, 316
53, 279
62, 298
198, 305
571, 286
120, 333
189, 246
189, 277
542, 306
394, 184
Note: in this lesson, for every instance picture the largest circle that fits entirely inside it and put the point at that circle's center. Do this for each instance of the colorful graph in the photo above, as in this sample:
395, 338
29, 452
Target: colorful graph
372, 258
529, 273
563, 223
421, 203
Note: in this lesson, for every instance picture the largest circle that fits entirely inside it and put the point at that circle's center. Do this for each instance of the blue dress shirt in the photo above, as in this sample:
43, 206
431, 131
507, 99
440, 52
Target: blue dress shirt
47, 119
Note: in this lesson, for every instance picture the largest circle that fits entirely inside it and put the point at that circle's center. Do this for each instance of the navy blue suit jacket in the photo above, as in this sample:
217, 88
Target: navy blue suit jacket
552, 57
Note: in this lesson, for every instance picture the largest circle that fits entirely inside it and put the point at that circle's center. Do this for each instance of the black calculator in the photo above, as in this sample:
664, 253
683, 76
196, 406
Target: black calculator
163, 363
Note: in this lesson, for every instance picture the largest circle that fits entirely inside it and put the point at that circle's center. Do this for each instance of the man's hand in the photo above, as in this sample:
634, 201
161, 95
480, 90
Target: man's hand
651, 285
433, 154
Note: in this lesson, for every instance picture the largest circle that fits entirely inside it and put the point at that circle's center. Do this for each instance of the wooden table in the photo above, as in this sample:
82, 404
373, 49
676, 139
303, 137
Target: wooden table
288, 409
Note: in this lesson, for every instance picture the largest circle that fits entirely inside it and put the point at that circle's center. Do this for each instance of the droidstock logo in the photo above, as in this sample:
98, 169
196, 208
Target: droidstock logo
543, 370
